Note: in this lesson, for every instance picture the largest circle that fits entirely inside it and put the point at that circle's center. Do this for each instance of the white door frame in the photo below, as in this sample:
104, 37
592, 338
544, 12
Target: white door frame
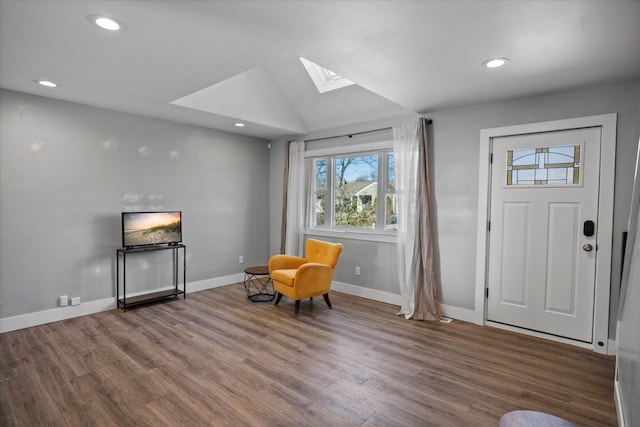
605, 218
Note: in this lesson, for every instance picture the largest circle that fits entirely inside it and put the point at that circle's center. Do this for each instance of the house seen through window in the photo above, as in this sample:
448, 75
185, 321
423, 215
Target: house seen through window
360, 190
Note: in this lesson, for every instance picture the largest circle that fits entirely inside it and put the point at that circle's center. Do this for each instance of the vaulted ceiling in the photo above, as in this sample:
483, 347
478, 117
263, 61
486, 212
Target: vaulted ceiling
214, 63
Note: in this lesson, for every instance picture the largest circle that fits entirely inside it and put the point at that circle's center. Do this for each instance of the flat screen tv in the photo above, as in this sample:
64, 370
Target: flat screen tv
151, 228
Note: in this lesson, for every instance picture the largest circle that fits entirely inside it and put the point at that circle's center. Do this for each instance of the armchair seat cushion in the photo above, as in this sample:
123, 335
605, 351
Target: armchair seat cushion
286, 277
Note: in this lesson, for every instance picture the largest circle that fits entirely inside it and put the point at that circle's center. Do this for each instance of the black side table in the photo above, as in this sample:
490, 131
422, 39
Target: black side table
256, 283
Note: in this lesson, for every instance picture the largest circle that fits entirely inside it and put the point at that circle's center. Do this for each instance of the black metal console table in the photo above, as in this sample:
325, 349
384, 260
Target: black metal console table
123, 301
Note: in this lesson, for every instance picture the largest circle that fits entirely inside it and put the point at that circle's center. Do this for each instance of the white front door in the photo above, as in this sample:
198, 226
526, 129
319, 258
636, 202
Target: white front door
542, 240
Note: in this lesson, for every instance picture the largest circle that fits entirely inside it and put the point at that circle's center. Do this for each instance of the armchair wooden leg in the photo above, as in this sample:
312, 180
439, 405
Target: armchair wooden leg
297, 310
278, 298
326, 299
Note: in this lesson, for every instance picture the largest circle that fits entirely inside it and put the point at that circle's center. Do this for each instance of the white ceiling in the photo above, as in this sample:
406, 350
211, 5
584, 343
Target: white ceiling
405, 56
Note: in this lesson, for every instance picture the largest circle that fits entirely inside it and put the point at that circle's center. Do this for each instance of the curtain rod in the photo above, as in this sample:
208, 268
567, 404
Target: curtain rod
350, 135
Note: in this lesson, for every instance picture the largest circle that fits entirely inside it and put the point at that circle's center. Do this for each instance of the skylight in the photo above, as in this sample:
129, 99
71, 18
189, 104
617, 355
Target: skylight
324, 79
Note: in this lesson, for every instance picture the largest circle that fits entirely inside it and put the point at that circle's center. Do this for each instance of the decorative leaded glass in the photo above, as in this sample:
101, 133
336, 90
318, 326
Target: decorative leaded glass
544, 166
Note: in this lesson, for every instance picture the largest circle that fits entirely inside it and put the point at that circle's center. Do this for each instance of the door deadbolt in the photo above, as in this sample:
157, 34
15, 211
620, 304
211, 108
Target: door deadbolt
587, 247
589, 228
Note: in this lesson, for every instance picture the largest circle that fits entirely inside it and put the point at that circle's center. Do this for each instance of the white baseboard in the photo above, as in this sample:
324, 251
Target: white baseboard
618, 400
373, 294
450, 311
61, 313
28, 320
55, 314
215, 282
457, 313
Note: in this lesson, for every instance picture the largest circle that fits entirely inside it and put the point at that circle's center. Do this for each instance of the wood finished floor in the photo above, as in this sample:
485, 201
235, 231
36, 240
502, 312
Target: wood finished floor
218, 359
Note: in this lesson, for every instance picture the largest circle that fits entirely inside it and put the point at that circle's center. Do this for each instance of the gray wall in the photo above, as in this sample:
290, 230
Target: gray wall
67, 171
455, 138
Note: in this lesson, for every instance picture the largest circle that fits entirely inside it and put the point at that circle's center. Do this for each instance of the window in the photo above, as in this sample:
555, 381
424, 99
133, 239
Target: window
324, 79
348, 188
544, 166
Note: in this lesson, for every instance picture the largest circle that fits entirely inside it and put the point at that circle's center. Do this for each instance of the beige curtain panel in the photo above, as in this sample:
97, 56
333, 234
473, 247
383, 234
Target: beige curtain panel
426, 273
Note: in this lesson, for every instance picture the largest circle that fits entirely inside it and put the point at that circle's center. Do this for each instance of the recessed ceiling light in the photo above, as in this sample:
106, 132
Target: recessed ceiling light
106, 23
46, 83
238, 124
495, 62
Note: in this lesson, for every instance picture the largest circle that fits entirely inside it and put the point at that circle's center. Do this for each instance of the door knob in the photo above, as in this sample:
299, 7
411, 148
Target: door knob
587, 247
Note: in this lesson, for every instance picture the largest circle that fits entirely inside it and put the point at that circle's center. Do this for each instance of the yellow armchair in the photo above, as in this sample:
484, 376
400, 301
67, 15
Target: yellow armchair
300, 278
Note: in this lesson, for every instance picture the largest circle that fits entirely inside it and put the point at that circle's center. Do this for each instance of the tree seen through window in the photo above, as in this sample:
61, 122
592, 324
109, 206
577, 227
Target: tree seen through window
354, 190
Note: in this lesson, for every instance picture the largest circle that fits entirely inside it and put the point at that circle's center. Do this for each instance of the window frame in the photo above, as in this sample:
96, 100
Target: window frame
382, 149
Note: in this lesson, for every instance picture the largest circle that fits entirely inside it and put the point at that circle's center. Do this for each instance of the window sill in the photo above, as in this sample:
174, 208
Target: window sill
353, 235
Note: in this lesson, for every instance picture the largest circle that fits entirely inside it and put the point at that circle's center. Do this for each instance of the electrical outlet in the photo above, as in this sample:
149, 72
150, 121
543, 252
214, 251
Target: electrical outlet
240, 259
75, 301
63, 300
357, 271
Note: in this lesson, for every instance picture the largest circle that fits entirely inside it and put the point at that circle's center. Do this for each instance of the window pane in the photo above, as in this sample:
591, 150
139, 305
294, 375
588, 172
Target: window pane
356, 190
391, 209
359, 189
320, 189
391, 173
391, 204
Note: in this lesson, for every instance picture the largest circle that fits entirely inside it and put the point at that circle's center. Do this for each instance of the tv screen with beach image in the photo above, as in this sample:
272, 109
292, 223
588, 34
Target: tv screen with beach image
151, 228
